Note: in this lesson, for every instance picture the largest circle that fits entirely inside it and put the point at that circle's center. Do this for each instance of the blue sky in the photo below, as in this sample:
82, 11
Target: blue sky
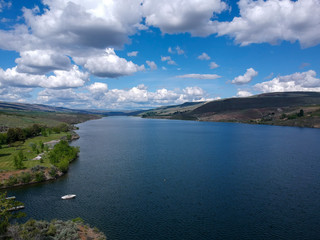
135, 54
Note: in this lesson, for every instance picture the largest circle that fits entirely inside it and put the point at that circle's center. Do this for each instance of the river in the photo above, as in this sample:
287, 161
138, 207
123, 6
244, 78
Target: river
167, 179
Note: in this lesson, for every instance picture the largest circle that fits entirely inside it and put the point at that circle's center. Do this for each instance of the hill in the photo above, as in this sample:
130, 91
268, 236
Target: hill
24, 115
271, 108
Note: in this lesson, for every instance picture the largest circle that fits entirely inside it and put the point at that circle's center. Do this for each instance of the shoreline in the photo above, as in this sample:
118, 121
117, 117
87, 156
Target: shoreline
235, 121
44, 170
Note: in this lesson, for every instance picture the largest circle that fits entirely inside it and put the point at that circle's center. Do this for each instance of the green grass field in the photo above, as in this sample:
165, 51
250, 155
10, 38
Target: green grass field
7, 153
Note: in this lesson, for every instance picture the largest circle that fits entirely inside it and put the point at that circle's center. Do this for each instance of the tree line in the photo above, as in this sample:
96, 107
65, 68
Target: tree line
21, 134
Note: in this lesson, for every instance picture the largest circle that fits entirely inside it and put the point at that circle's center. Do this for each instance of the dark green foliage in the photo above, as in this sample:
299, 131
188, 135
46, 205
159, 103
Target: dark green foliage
283, 116
21, 156
17, 161
18, 134
12, 180
5, 214
62, 154
25, 177
53, 171
11, 135
69, 137
39, 176
41, 145
37, 168
301, 113
78, 220
33, 147
56, 229
3, 138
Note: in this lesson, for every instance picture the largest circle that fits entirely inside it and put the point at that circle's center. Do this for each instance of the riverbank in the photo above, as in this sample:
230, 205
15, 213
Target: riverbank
55, 229
43, 171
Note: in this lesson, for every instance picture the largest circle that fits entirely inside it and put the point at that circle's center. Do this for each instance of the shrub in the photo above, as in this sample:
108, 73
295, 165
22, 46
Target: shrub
37, 168
25, 177
12, 180
78, 220
39, 176
53, 171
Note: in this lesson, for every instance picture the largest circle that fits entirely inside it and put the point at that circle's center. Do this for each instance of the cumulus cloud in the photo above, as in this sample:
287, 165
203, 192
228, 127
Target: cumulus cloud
132, 54
60, 79
213, 65
246, 78
305, 81
199, 76
273, 21
168, 60
78, 23
152, 65
4, 5
15, 94
42, 62
204, 56
109, 65
243, 93
179, 50
137, 97
182, 16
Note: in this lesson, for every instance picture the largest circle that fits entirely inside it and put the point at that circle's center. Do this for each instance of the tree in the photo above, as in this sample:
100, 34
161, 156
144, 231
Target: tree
6, 213
301, 113
17, 160
11, 135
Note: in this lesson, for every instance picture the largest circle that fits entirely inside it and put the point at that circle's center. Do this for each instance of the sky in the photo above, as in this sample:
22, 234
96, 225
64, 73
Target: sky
140, 54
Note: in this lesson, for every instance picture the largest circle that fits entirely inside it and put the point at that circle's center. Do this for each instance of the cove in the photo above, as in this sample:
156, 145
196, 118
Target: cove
166, 179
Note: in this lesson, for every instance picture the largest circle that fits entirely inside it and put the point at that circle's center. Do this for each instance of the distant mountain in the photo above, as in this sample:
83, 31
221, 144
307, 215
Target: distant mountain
270, 108
23, 115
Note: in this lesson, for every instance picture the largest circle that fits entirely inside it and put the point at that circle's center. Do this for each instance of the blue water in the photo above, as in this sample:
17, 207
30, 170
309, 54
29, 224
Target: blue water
164, 179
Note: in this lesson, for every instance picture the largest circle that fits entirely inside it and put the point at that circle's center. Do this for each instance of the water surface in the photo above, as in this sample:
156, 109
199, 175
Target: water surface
163, 179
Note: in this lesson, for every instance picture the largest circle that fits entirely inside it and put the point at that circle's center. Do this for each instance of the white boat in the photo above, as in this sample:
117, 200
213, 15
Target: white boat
69, 196
11, 198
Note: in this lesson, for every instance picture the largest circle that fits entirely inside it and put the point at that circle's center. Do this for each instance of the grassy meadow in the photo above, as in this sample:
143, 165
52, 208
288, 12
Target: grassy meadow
7, 152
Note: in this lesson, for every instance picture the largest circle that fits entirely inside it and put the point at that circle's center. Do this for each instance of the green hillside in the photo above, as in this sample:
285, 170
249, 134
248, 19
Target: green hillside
286, 108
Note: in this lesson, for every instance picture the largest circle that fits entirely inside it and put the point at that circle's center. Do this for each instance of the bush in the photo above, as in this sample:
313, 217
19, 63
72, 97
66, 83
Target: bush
78, 220
12, 180
53, 171
37, 168
25, 177
39, 176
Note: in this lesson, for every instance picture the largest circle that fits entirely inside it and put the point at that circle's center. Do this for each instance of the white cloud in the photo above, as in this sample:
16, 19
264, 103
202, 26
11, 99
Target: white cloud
136, 97
5, 4
179, 50
243, 93
273, 21
168, 60
305, 81
66, 79
165, 58
246, 78
152, 65
204, 56
14, 94
85, 23
182, 16
98, 87
109, 65
132, 54
60, 78
213, 65
199, 76
171, 62
42, 61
